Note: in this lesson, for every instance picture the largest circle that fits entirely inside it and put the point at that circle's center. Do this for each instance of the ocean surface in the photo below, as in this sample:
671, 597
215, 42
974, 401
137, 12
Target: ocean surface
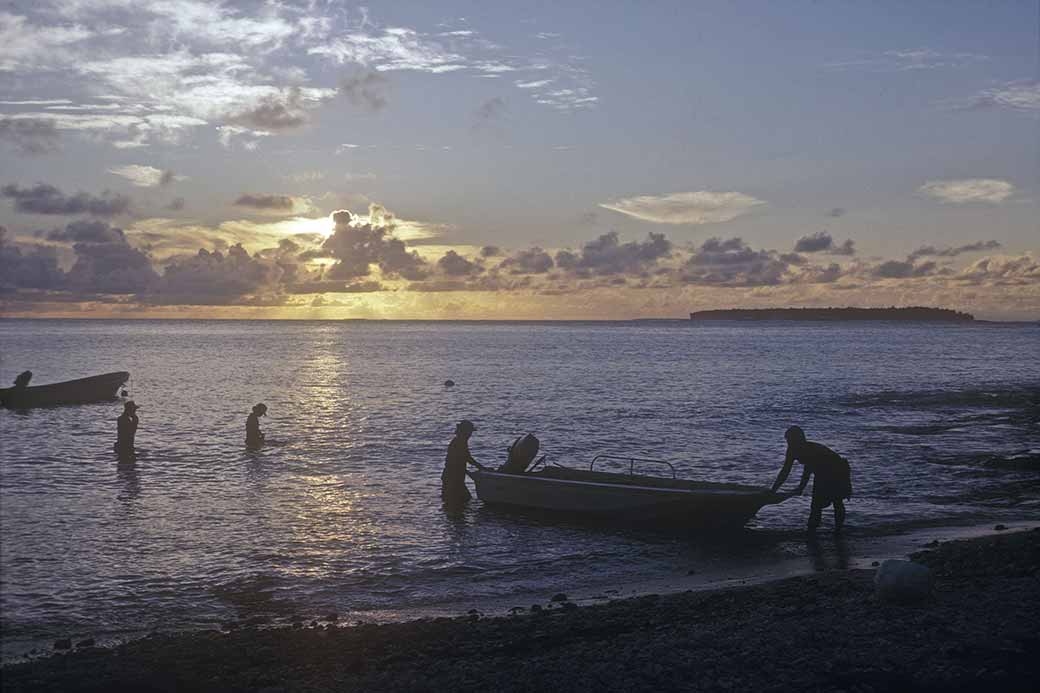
341, 513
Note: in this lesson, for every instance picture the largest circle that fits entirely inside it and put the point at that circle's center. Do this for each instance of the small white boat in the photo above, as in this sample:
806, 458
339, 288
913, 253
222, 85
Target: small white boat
630, 498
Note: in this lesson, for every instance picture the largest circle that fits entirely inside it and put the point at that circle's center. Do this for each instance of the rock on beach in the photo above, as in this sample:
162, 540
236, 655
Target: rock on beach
903, 582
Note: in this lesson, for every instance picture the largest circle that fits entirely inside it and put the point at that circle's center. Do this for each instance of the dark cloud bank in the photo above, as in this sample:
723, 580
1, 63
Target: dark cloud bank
266, 202
823, 243
362, 254
47, 199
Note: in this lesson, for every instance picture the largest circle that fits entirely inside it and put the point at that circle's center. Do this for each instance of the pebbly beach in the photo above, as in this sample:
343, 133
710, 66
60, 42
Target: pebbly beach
825, 631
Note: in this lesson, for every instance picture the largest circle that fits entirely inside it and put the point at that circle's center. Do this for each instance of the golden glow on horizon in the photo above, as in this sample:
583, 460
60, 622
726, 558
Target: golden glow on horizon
322, 226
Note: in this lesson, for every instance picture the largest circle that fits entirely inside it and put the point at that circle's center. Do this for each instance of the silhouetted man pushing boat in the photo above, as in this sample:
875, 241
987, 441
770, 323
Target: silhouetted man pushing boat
254, 436
126, 429
832, 482
453, 478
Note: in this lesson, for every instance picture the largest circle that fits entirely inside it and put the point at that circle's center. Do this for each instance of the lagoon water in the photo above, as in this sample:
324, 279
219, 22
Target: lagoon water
342, 514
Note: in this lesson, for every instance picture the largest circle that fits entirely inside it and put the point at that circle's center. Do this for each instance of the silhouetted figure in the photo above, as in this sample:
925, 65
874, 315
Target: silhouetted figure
254, 436
126, 429
453, 478
22, 381
832, 478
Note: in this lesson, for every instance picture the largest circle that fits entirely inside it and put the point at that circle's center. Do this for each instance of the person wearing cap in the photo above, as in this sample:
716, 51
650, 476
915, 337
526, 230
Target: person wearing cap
254, 436
832, 478
126, 429
453, 478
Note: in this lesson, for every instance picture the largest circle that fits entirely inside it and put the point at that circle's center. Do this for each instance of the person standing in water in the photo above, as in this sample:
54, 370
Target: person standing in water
832, 482
126, 429
453, 478
254, 436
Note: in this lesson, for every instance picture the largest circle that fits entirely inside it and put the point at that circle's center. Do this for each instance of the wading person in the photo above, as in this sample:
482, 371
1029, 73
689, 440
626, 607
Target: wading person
126, 430
832, 479
254, 436
453, 478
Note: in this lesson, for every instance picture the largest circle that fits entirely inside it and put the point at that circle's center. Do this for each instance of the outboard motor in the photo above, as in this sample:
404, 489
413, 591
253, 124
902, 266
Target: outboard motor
521, 453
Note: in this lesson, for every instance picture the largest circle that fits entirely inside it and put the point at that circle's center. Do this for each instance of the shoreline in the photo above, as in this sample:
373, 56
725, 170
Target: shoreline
827, 552
849, 551
824, 629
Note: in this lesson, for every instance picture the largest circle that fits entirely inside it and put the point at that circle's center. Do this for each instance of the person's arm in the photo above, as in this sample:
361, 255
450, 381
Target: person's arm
471, 461
785, 471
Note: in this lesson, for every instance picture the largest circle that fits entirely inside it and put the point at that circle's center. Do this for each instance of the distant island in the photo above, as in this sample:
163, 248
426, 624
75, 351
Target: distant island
910, 314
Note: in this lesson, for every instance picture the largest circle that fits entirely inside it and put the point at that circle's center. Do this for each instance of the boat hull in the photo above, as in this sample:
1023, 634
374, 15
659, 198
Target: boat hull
98, 388
669, 503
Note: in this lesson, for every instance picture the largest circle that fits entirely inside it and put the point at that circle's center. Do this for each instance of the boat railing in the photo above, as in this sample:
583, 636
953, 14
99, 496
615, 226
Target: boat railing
631, 462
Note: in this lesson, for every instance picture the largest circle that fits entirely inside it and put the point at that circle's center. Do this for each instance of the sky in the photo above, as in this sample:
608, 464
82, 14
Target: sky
475, 160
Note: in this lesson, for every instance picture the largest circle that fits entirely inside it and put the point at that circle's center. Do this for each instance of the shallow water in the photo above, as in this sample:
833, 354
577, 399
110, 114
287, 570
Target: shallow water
941, 424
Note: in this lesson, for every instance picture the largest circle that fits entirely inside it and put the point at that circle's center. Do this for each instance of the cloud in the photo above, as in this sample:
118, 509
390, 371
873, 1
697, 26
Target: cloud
965, 190
366, 89
530, 261
822, 242
732, 263
121, 130
145, 176
340, 287
35, 269
454, 265
607, 255
24, 45
901, 60
31, 136
395, 48
109, 266
281, 203
814, 243
701, 207
228, 134
815, 274
274, 112
1018, 96
900, 269
932, 251
358, 243
404, 49
532, 84
105, 263
165, 69
216, 277
87, 232
47, 199
1002, 270
569, 99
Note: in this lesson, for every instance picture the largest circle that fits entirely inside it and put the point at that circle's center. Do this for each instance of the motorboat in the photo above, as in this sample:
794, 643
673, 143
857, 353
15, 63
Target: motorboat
96, 388
626, 497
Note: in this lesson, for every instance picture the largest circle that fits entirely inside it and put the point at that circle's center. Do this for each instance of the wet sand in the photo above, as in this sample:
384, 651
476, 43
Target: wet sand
824, 631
